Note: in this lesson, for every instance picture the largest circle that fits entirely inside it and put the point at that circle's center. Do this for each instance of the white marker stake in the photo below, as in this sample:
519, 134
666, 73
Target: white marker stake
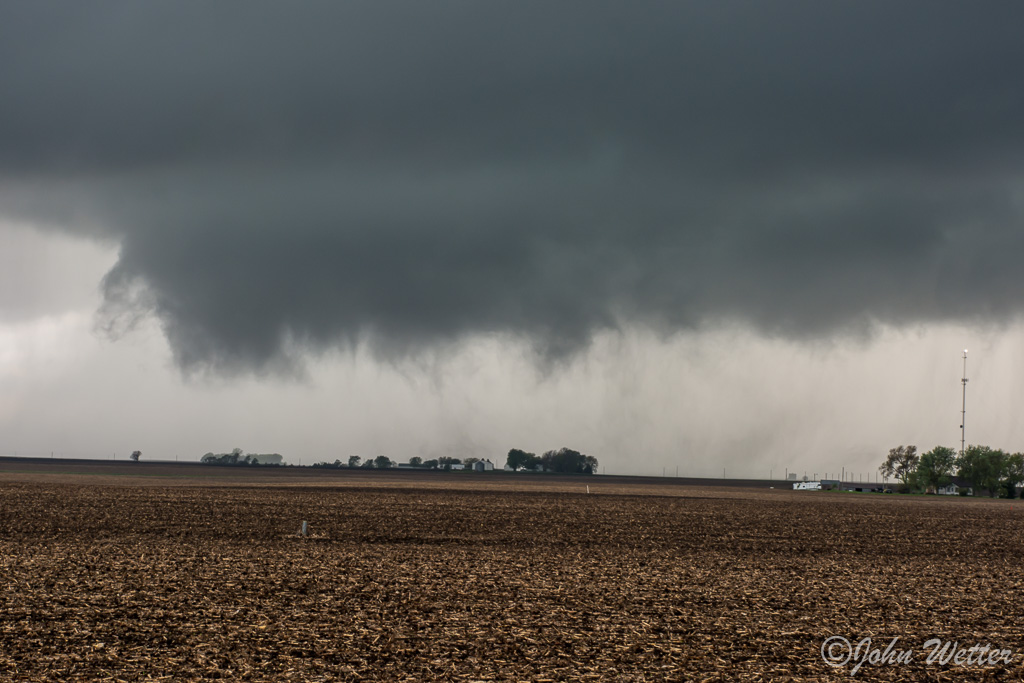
588, 488
305, 528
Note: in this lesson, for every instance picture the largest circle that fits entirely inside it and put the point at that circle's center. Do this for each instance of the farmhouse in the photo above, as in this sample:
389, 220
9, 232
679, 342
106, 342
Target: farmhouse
483, 466
955, 487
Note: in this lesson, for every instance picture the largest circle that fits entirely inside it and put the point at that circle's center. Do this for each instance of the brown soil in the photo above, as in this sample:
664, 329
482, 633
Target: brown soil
500, 580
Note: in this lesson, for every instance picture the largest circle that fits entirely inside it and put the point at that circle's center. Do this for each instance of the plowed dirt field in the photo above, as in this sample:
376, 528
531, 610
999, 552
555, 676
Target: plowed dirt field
403, 582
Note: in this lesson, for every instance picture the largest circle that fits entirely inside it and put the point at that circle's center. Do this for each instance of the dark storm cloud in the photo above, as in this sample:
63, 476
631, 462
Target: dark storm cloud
289, 176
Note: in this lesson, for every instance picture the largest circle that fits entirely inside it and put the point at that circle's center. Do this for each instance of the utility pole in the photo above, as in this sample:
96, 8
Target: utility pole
963, 408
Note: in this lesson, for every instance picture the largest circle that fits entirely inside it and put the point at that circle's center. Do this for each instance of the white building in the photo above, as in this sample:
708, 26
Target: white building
952, 489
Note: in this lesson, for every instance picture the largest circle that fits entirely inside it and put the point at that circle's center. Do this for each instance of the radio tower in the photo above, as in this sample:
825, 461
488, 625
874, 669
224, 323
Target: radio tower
963, 409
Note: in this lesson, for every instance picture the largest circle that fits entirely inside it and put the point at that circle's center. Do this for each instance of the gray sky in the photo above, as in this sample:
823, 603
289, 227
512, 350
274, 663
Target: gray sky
645, 230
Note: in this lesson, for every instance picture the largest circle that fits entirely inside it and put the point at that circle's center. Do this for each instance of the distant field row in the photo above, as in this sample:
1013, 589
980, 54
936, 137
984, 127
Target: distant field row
194, 474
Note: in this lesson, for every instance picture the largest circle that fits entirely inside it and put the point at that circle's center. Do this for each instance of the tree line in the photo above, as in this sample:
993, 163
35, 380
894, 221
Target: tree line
383, 462
236, 457
563, 461
998, 472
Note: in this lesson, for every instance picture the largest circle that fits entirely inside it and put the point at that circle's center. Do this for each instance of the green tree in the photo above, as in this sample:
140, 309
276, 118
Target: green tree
1013, 474
416, 461
353, 460
983, 467
136, 455
568, 461
901, 463
431, 464
382, 462
517, 459
936, 467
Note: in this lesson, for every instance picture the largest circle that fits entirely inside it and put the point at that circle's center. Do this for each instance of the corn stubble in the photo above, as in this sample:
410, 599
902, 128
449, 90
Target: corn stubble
121, 583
